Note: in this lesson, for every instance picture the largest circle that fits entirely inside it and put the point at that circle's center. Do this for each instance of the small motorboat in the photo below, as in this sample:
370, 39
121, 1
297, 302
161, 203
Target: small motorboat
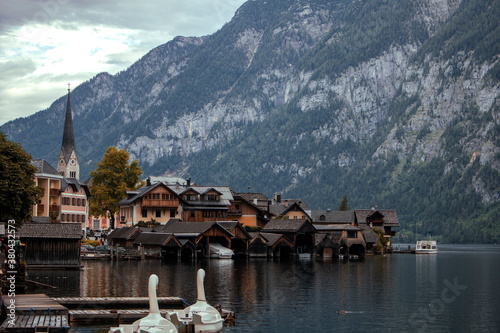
203, 316
153, 322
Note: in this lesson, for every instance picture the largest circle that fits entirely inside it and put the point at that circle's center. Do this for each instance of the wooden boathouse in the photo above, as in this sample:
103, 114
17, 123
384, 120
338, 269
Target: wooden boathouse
51, 245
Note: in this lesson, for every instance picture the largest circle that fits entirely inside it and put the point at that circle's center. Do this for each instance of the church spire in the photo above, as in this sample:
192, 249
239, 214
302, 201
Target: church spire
68, 164
68, 141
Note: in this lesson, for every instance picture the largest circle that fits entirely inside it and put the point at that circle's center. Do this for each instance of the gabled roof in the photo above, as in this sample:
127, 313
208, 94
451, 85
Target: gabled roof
75, 184
331, 217
211, 189
42, 166
294, 206
323, 240
390, 217
51, 230
273, 239
231, 225
128, 233
258, 200
156, 238
289, 225
370, 235
191, 229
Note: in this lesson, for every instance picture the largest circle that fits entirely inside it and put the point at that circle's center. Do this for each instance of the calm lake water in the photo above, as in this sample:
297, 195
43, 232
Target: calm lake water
457, 290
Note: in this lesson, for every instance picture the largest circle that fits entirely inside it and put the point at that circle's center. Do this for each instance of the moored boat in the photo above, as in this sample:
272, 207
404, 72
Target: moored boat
426, 247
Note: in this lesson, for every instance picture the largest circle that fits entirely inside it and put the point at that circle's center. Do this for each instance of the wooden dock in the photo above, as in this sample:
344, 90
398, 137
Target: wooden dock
35, 313
97, 303
40, 313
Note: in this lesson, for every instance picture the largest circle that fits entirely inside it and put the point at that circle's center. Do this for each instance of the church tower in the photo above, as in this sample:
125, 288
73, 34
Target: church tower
67, 164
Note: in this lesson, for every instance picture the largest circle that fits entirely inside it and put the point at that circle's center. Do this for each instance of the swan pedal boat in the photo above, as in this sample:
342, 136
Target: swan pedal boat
153, 322
203, 316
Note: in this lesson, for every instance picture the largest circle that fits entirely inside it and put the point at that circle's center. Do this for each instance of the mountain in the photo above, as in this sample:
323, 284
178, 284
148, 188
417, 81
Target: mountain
393, 103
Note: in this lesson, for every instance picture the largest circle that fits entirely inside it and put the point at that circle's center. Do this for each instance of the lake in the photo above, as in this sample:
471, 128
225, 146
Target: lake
456, 290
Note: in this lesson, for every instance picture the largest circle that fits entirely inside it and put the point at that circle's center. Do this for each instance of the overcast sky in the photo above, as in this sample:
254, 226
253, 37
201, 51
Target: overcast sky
44, 44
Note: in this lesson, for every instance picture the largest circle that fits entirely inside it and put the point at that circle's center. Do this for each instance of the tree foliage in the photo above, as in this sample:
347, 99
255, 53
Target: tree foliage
344, 206
18, 192
111, 180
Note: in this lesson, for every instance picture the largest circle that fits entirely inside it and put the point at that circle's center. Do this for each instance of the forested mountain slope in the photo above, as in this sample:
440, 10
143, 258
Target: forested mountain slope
394, 103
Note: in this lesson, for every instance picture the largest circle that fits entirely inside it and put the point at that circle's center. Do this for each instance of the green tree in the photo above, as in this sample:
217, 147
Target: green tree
344, 206
18, 192
111, 180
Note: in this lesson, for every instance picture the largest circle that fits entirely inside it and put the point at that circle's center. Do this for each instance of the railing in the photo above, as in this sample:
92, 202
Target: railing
160, 203
40, 208
234, 212
54, 191
54, 208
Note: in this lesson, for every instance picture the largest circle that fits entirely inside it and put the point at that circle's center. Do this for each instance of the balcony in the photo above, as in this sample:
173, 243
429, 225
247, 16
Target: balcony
234, 212
40, 209
54, 208
160, 203
54, 191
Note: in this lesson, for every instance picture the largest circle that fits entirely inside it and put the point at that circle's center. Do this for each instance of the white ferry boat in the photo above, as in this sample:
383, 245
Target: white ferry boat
426, 247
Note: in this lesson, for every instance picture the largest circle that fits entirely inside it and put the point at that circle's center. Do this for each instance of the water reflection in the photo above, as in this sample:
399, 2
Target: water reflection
277, 295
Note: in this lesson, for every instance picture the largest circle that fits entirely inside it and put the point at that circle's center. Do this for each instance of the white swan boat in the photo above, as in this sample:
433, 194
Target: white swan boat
153, 322
203, 316
426, 247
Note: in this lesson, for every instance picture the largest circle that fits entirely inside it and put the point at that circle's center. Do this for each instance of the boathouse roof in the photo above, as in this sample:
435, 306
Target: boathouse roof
289, 225
388, 216
192, 229
128, 233
51, 230
157, 238
235, 228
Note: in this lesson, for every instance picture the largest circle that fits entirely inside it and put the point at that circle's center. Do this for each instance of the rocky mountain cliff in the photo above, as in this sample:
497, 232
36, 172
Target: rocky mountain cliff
394, 103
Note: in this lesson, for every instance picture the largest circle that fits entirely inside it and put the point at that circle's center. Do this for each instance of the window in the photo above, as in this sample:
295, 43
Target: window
78, 218
72, 174
83, 202
73, 202
352, 234
72, 217
158, 213
322, 217
62, 217
144, 212
163, 196
192, 213
190, 197
212, 197
172, 213
78, 201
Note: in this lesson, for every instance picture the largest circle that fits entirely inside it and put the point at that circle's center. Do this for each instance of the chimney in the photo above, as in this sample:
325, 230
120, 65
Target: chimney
188, 182
328, 209
148, 181
277, 197
255, 201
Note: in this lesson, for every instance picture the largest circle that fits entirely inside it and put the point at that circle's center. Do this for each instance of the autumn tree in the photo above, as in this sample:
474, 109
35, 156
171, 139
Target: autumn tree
344, 206
111, 180
18, 192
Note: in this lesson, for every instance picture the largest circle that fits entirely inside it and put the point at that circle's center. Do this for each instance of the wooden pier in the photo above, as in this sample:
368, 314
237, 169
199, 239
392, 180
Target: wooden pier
35, 313
81, 303
40, 313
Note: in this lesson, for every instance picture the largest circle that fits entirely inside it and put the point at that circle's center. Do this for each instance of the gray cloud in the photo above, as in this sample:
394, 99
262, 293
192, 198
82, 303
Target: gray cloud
23, 90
